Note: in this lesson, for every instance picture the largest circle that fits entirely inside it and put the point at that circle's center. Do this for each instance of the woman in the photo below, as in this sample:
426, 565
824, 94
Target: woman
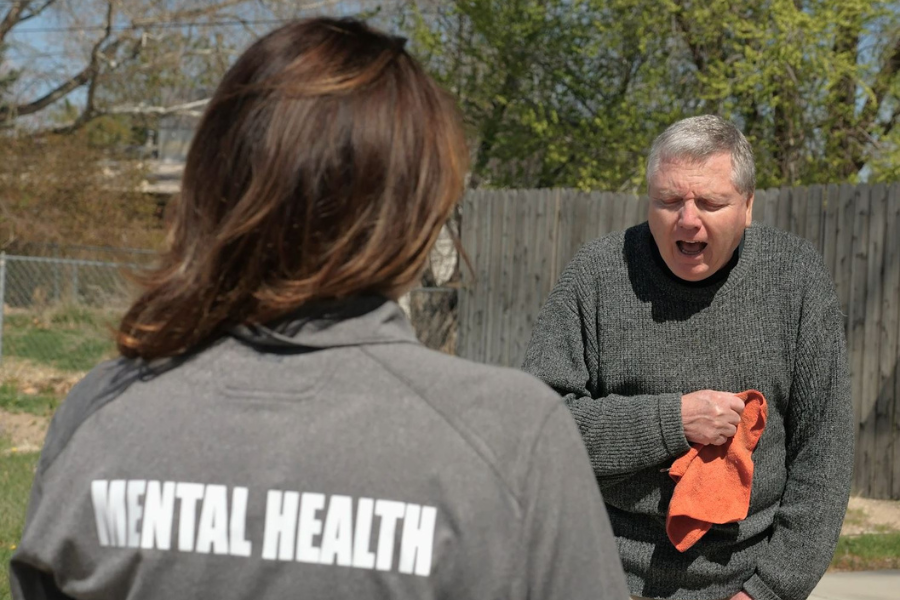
272, 428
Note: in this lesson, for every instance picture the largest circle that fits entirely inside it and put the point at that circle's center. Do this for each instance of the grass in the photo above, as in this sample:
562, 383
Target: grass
855, 517
42, 403
16, 473
68, 338
41, 349
870, 551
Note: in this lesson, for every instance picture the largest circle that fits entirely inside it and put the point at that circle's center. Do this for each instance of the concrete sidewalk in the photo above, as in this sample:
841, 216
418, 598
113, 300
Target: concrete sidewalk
862, 585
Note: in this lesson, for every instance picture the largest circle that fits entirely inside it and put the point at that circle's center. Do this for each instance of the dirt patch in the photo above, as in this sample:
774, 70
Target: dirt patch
31, 378
871, 516
25, 432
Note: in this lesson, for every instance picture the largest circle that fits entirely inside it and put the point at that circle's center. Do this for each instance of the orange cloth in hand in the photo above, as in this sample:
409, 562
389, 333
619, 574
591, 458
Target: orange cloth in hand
712, 483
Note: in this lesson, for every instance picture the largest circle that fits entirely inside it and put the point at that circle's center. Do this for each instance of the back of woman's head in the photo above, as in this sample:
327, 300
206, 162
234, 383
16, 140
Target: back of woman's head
323, 168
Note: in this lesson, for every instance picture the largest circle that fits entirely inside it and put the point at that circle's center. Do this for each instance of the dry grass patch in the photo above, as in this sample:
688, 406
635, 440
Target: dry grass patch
865, 516
24, 432
32, 378
29, 394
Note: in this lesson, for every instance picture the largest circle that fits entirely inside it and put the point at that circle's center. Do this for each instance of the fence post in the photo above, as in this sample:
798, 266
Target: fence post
2, 298
75, 283
56, 272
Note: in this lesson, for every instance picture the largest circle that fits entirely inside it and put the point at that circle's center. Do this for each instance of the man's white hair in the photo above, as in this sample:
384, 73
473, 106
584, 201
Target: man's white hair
696, 139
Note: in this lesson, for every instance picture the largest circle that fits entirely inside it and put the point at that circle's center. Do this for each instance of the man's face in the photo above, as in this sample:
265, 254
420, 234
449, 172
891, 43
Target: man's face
696, 215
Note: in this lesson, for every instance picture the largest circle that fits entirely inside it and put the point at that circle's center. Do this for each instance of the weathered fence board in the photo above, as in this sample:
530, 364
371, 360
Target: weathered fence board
468, 239
830, 225
814, 216
868, 398
886, 403
842, 272
856, 333
785, 204
889, 389
520, 242
770, 212
797, 222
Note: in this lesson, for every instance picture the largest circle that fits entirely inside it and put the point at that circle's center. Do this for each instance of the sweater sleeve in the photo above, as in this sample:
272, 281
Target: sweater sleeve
819, 427
623, 434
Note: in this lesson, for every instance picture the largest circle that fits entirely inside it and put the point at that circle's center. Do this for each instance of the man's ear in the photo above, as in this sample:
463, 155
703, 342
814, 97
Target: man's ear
749, 210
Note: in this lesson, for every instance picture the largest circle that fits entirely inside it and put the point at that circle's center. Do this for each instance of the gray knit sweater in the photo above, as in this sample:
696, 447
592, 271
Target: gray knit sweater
622, 341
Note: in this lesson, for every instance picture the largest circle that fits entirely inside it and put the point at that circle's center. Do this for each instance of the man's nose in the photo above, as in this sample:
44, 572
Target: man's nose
689, 217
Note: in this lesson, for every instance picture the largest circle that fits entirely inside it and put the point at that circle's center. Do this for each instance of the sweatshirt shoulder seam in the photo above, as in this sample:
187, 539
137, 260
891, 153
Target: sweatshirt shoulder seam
464, 434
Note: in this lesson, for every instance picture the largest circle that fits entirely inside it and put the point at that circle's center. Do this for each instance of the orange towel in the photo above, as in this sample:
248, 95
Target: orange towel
713, 482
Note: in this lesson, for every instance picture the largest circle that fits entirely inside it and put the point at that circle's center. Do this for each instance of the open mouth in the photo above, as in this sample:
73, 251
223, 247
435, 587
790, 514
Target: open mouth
691, 248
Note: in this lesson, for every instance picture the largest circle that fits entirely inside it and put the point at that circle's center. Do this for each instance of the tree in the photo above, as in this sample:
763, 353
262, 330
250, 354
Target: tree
544, 86
132, 57
54, 188
94, 92
813, 83
572, 92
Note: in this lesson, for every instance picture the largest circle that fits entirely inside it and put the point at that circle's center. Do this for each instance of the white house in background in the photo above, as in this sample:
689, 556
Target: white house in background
173, 139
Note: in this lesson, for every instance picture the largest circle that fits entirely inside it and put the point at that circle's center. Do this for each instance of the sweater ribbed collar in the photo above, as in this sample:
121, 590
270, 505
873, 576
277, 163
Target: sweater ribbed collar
717, 277
643, 246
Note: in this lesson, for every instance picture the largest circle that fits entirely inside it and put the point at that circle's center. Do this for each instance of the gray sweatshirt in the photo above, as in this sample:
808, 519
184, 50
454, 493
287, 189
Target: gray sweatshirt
330, 456
622, 342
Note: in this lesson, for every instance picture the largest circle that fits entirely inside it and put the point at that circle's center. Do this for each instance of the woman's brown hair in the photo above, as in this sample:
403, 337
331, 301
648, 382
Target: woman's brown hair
324, 167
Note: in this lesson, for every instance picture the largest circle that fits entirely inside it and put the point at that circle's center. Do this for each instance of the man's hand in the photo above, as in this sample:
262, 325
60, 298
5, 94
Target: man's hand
742, 595
710, 417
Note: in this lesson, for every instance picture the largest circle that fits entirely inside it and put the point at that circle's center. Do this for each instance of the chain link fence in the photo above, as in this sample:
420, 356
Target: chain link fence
112, 254
58, 314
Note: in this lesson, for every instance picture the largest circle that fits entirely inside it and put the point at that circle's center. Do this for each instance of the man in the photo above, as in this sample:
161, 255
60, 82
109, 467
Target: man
650, 334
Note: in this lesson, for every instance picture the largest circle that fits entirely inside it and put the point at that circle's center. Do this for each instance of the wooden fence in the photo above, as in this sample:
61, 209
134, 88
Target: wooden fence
520, 240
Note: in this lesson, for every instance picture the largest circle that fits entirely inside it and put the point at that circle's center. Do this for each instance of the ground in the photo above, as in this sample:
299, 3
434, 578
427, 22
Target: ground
29, 393
871, 516
25, 432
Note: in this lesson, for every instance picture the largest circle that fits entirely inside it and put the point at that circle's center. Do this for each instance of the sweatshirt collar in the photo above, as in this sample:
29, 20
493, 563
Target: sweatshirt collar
350, 322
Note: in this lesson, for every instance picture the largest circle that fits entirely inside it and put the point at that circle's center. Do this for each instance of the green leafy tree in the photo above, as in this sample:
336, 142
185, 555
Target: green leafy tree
812, 83
572, 92
552, 91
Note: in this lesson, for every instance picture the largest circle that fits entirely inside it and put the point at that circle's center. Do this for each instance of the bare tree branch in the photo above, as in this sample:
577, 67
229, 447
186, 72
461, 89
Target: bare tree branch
37, 11
105, 48
17, 15
695, 50
895, 115
88, 75
191, 13
212, 9
62, 90
94, 70
12, 18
